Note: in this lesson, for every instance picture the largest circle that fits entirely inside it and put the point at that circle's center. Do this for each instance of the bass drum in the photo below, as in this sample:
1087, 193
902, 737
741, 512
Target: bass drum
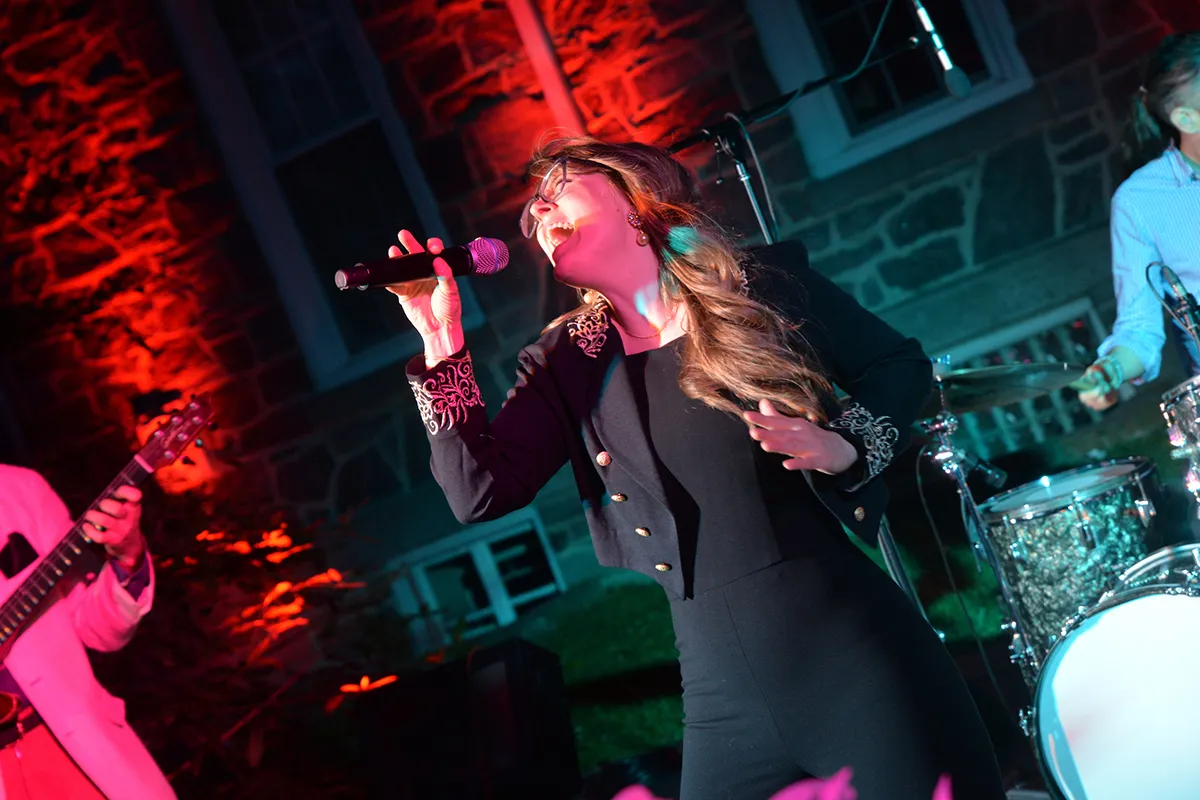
1115, 714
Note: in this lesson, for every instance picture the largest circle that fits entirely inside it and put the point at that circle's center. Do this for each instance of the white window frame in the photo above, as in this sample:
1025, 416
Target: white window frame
829, 146
250, 166
412, 591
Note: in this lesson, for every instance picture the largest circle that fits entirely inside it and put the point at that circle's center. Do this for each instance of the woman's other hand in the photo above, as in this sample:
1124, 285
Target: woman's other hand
809, 446
432, 305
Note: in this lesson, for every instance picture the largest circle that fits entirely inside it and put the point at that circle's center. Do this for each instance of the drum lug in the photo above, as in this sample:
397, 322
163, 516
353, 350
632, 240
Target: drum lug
1145, 511
1086, 537
1025, 718
1018, 550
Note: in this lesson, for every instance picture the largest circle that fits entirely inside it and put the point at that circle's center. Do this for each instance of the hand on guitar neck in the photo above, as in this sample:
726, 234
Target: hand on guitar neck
116, 524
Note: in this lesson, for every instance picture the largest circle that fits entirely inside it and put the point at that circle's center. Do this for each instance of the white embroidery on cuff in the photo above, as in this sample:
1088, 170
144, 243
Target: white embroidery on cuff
879, 436
446, 395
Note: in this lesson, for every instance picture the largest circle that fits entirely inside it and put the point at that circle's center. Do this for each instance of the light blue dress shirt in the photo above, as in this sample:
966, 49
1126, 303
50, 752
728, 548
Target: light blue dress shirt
1155, 217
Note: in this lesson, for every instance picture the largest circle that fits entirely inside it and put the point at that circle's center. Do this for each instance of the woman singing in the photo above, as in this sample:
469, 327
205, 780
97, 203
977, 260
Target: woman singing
694, 404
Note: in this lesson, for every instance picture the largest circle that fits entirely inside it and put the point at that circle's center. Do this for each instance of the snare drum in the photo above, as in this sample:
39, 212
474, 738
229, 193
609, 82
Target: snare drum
1063, 540
1114, 715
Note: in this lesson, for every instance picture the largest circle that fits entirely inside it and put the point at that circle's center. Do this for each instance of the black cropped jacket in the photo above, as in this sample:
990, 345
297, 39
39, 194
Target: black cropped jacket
573, 402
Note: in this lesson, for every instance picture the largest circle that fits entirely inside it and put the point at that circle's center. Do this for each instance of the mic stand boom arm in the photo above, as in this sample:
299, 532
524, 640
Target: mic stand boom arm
724, 134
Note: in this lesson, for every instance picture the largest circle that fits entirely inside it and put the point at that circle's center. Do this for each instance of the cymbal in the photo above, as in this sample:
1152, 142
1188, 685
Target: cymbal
982, 388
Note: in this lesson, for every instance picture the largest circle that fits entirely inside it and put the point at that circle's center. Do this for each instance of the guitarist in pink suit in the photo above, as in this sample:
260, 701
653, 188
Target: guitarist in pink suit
65, 737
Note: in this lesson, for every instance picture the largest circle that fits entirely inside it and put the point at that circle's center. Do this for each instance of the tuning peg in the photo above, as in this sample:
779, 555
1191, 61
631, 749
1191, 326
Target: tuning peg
199, 444
188, 461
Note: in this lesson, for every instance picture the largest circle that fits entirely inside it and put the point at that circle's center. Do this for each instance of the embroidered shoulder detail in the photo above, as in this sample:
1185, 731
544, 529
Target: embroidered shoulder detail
589, 330
879, 436
445, 397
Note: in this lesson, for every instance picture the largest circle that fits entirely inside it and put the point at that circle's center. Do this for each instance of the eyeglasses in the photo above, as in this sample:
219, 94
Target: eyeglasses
553, 185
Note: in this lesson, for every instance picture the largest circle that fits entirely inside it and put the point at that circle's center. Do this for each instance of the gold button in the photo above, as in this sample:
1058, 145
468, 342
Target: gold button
642, 531
603, 458
860, 514
617, 497
663, 567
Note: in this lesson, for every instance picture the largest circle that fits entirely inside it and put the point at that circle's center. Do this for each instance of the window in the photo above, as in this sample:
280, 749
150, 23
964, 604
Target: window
893, 102
321, 161
1069, 334
465, 585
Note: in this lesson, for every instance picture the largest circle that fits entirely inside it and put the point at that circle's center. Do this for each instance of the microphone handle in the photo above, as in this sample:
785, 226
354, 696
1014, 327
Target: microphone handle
412, 267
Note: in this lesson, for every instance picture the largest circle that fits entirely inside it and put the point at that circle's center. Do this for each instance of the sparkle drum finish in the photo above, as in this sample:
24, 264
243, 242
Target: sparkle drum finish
1064, 540
1181, 409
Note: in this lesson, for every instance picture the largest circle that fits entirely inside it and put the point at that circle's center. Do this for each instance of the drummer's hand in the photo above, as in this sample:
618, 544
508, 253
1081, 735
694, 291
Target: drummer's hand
810, 446
1098, 387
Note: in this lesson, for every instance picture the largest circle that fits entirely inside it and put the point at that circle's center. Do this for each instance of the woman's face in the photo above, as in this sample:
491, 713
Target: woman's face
584, 228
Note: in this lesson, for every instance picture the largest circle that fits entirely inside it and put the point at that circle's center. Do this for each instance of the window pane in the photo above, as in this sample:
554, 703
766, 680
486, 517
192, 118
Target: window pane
273, 103
458, 588
907, 80
522, 563
297, 68
349, 200
310, 95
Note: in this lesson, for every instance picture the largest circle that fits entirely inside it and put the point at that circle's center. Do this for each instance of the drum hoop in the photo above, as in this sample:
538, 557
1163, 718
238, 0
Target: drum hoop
1107, 601
1029, 511
1160, 554
1176, 392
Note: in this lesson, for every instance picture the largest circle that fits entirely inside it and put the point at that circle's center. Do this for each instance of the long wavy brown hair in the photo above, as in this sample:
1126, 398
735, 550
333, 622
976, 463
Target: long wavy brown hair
738, 350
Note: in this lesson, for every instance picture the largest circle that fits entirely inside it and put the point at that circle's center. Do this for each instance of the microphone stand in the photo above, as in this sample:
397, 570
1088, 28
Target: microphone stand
728, 134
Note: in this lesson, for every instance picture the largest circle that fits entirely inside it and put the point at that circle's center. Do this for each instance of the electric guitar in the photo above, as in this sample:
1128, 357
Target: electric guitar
37, 591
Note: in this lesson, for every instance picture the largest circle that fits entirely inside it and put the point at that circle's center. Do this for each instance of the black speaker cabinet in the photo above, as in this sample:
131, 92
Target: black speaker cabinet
493, 726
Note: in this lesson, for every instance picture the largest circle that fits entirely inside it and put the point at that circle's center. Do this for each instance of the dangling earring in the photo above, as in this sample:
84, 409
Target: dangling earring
636, 222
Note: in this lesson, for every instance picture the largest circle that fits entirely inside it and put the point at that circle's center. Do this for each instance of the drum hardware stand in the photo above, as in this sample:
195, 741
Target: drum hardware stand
951, 462
895, 568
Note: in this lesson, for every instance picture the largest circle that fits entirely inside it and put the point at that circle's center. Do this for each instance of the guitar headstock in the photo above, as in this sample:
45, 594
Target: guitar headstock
168, 442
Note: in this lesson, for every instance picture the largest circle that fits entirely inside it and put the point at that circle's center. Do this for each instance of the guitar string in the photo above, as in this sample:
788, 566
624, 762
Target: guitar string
12, 606
127, 475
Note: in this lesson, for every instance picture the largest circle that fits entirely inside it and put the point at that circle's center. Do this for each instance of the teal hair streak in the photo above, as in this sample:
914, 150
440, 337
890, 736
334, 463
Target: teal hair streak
682, 241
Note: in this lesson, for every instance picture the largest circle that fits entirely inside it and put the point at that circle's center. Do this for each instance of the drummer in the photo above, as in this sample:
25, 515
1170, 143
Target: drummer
1155, 217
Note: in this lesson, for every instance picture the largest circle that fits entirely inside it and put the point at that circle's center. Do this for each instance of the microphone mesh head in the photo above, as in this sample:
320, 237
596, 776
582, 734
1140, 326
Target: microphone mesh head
488, 256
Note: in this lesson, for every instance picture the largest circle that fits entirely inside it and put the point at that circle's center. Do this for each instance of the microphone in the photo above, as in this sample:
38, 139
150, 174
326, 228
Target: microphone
481, 256
957, 82
969, 464
1186, 302
992, 475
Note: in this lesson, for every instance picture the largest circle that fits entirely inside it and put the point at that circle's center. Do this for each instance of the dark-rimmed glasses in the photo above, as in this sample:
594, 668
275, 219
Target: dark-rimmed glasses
553, 184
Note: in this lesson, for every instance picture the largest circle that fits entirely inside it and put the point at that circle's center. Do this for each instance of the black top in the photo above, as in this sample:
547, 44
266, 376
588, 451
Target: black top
732, 501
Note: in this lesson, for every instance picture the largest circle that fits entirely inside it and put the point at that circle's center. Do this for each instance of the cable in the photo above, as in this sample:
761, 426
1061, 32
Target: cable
1163, 300
762, 178
871, 47
862, 65
954, 586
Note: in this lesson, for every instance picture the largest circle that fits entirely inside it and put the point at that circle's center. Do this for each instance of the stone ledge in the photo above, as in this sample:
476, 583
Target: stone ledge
1006, 294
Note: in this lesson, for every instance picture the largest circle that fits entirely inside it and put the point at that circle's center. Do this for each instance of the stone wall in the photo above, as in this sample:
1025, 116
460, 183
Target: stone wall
128, 271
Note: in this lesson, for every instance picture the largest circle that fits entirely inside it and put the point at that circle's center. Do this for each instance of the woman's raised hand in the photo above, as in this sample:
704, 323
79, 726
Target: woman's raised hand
432, 305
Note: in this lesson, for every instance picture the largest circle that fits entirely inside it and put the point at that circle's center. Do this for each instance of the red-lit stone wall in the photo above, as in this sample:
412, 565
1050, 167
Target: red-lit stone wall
121, 241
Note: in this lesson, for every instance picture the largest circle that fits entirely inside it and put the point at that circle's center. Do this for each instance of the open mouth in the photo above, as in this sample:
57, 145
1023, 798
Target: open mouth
557, 233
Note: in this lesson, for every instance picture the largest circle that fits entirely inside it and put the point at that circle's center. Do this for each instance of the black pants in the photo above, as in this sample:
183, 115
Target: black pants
818, 663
